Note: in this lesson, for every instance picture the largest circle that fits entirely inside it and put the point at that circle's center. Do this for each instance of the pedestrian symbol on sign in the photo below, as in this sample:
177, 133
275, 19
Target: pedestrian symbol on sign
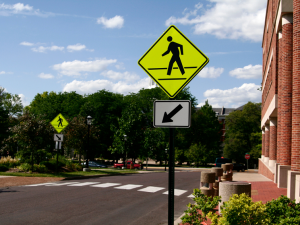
173, 47
60, 120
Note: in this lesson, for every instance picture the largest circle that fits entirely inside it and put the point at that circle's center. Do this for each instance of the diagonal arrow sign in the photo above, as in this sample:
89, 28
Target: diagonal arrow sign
167, 117
59, 138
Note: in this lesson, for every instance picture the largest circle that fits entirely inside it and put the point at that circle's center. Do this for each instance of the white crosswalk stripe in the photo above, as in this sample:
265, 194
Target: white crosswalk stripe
61, 184
34, 185
191, 196
177, 192
151, 189
105, 185
84, 184
129, 186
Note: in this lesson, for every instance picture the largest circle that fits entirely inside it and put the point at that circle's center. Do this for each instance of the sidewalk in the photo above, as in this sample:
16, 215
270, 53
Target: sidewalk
262, 188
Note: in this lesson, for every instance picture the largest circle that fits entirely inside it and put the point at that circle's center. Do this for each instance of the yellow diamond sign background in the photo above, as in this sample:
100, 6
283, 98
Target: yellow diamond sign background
157, 65
59, 123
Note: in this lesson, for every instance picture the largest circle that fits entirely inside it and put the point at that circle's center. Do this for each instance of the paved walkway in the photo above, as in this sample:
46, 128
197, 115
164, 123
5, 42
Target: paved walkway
262, 188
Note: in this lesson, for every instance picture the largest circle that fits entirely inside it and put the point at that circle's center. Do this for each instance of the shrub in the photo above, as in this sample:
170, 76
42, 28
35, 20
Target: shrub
283, 211
9, 162
197, 213
241, 210
25, 167
3, 168
78, 166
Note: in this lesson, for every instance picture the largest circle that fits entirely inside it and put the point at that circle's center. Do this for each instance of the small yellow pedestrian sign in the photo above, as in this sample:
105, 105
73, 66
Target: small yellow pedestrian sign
173, 61
59, 123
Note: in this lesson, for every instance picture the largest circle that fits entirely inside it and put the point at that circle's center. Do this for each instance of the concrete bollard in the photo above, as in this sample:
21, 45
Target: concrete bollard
206, 183
228, 188
227, 168
218, 174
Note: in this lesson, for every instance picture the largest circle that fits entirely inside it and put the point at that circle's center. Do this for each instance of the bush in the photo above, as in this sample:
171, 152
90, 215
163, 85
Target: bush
9, 162
3, 168
206, 204
25, 167
283, 211
241, 210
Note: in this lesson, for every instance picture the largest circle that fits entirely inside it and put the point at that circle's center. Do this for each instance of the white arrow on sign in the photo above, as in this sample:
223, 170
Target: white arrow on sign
58, 137
172, 113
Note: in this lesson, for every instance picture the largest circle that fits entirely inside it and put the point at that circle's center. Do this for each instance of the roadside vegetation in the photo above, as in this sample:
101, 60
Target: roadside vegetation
240, 209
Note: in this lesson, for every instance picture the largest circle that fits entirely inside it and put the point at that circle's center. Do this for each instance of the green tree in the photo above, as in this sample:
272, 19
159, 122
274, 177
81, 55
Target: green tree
31, 134
197, 154
105, 108
242, 128
49, 105
76, 137
204, 131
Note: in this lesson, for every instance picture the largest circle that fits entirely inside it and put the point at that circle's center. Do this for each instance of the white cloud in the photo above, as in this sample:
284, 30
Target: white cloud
232, 19
77, 47
3, 72
232, 98
43, 49
120, 76
25, 43
20, 8
45, 76
210, 72
24, 100
247, 72
92, 86
115, 22
74, 68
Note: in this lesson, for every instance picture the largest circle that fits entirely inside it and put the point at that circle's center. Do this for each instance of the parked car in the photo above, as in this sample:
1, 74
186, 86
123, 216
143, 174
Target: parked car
95, 164
120, 165
239, 167
222, 160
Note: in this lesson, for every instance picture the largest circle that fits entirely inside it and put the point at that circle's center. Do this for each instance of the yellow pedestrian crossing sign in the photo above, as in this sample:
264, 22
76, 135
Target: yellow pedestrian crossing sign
59, 123
173, 61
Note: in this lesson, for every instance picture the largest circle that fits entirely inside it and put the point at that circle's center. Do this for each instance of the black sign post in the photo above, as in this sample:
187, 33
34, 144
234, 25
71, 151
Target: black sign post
171, 178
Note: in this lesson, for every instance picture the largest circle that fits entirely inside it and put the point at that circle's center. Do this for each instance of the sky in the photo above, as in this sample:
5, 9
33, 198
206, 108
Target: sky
86, 46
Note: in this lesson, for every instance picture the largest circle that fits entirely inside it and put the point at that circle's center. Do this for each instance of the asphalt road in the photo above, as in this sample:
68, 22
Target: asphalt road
131, 199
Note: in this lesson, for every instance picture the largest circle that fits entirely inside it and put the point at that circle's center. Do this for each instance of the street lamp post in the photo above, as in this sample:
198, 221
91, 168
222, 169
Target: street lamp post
89, 123
166, 151
125, 139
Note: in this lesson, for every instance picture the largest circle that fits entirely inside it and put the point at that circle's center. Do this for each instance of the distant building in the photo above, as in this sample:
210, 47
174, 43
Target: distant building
152, 83
280, 120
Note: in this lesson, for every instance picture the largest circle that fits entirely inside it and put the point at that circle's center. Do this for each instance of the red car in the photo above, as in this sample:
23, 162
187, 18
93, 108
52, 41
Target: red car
120, 165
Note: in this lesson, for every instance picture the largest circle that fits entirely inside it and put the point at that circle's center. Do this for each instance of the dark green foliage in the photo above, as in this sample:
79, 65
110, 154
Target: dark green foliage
3, 168
243, 133
283, 211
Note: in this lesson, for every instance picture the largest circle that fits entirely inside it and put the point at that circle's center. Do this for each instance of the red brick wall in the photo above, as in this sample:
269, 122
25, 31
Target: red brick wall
267, 140
262, 169
295, 156
286, 97
273, 142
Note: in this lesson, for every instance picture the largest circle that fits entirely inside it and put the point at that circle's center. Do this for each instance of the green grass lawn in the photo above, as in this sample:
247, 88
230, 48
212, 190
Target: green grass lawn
71, 174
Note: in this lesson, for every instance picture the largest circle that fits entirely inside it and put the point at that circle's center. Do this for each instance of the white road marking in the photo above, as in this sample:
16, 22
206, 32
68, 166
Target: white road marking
84, 184
191, 196
177, 192
151, 189
105, 185
129, 186
60, 184
33, 185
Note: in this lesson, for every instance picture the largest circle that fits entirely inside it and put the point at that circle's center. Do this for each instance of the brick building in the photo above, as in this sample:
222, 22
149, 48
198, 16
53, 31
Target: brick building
280, 120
